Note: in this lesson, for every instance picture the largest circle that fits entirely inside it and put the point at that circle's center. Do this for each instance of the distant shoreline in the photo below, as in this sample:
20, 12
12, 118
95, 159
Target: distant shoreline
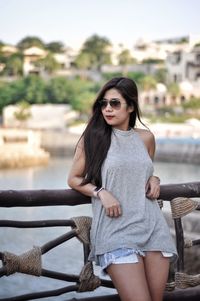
168, 149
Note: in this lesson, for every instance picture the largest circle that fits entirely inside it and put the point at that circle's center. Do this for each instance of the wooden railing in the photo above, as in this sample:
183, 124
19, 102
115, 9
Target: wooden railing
180, 197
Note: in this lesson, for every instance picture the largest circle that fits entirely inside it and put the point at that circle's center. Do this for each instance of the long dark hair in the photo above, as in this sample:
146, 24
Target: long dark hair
97, 135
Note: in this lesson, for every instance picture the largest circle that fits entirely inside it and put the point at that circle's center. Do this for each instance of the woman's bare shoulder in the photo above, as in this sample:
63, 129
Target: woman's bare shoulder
149, 140
145, 134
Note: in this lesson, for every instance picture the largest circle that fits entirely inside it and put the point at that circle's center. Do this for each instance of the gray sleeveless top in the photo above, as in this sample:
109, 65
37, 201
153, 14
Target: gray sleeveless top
141, 226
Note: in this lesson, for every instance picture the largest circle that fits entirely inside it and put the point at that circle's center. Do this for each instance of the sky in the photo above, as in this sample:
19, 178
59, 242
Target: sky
121, 21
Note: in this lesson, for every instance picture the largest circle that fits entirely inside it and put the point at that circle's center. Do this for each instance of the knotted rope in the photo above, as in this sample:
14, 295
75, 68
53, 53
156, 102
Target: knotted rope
88, 281
83, 225
27, 263
182, 206
188, 243
184, 280
170, 286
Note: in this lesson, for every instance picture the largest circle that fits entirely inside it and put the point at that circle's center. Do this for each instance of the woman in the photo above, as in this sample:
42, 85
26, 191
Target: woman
130, 239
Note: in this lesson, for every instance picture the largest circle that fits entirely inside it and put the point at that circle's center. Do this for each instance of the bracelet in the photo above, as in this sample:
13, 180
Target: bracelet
96, 191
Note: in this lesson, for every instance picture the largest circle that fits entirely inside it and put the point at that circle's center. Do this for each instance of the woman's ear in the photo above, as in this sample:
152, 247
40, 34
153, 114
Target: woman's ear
130, 109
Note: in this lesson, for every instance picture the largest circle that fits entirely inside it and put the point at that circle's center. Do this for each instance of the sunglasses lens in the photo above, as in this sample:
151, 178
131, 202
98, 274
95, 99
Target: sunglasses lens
114, 103
103, 104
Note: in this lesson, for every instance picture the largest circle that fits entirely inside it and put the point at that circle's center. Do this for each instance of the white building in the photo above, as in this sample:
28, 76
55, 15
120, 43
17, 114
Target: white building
184, 65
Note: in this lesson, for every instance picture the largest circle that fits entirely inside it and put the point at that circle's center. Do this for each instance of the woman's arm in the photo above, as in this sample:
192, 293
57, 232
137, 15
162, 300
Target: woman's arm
153, 184
76, 176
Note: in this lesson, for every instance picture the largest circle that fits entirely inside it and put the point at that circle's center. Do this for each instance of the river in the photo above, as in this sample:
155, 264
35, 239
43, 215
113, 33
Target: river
68, 256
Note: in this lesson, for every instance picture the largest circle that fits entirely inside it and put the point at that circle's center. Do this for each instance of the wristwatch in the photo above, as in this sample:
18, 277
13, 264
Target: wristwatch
97, 190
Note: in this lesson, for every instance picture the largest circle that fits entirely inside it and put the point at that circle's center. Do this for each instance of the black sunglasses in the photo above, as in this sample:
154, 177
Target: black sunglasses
115, 103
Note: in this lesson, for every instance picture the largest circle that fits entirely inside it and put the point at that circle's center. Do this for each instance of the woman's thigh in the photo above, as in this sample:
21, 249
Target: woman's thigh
130, 281
156, 269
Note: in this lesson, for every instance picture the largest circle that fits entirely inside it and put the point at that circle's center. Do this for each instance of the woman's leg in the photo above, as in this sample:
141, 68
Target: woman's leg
156, 269
130, 281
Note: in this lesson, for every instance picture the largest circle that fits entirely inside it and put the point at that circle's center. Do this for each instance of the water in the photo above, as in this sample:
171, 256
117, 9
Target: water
68, 256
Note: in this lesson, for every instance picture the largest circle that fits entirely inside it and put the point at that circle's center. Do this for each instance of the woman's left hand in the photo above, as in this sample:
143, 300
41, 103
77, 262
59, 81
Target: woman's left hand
153, 188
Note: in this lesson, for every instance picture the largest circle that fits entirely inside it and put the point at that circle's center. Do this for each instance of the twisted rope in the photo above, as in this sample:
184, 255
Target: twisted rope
170, 286
27, 263
182, 206
88, 281
184, 280
188, 243
83, 225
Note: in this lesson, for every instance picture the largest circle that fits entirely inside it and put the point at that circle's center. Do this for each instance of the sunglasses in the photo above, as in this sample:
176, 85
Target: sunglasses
115, 103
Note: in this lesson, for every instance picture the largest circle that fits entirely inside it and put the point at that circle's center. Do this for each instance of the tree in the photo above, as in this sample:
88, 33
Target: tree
98, 49
30, 41
14, 64
82, 62
125, 59
161, 75
1, 44
55, 47
83, 102
34, 89
48, 64
23, 112
59, 90
148, 83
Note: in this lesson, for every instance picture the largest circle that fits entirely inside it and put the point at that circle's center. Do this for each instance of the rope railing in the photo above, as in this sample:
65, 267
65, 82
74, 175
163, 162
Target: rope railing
180, 198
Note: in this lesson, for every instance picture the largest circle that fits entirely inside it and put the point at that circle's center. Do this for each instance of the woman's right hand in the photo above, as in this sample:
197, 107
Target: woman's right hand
110, 203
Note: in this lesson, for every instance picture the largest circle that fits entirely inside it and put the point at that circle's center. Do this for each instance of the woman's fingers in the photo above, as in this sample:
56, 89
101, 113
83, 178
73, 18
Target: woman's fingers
113, 211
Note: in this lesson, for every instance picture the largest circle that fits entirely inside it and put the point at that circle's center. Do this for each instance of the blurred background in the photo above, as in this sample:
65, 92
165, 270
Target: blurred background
54, 57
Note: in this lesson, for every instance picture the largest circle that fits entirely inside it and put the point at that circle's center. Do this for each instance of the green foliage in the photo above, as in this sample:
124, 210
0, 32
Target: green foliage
173, 89
55, 47
59, 90
161, 75
83, 61
136, 76
147, 82
193, 103
98, 49
169, 118
13, 64
33, 89
125, 57
1, 44
30, 41
23, 111
48, 64
83, 102
10, 93
109, 75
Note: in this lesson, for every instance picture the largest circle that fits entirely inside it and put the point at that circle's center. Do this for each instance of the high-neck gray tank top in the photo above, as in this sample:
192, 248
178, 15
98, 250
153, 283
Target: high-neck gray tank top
142, 225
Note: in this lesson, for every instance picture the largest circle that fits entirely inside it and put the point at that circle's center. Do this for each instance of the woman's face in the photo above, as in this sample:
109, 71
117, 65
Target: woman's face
115, 110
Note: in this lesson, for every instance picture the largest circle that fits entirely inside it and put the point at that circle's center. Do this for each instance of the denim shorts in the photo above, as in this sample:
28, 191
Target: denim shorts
122, 255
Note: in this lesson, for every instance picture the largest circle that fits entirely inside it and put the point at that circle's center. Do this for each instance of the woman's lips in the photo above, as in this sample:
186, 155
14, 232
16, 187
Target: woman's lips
109, 117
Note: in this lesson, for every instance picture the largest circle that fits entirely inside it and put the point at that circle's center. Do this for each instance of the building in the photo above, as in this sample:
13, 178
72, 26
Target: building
31, 56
